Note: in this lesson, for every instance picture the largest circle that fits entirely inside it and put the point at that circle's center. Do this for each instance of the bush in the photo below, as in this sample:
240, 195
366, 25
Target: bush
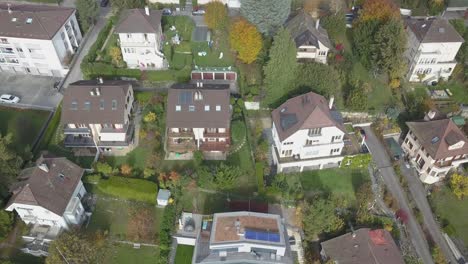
132, 189
360, 161
165, 233
92, 178
259, 174
101, 38
99, 69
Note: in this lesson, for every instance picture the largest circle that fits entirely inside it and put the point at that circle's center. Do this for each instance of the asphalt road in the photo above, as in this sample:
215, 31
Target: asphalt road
75, 73
418, 193
382, 160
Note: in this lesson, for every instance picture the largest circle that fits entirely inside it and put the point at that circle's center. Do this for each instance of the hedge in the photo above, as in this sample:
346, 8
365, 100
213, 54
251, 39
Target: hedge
50, 131
259, 174
129, 188
100, 69
165, 233
92, 178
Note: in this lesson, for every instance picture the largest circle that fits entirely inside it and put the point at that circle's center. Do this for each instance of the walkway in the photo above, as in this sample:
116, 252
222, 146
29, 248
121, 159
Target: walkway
384, 166
418, 192
75, 73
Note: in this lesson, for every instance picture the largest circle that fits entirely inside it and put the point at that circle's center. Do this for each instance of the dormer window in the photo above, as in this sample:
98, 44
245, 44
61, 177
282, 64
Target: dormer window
218, 108
191, 108
207, 108
74, 105
29, 20
198, 96
114, 104
14, 19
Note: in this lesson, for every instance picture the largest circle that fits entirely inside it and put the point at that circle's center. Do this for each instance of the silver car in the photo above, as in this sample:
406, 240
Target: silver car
10, 99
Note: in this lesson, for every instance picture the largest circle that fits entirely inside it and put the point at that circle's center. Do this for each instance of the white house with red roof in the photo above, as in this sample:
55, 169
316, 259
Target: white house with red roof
307, 133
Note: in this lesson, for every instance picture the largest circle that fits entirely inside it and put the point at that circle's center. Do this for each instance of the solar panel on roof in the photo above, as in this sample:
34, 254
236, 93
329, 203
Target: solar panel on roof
262, 235
185, 97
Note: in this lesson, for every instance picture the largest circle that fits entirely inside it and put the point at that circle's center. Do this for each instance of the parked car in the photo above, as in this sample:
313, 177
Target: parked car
198, 12
104, 3
10, 99
167, 12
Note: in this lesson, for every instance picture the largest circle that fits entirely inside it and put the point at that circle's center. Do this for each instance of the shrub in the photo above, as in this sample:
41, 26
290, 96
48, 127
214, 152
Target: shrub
126, 169
150, 117
165, 229
104, 168
92, 178
127, 188
259, 174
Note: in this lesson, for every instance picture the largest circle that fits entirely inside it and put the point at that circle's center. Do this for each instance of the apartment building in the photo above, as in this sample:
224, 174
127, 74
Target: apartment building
37, 39
433, 44
311, 39
435, 147
198, 118
242, 237
140, 38
98, 114
307, 134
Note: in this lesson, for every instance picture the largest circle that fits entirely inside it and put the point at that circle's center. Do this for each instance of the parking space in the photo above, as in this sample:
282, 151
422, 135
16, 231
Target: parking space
32, 90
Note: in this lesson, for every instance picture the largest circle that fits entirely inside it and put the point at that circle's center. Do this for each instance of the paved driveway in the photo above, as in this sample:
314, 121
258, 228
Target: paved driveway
382, 160
32, 90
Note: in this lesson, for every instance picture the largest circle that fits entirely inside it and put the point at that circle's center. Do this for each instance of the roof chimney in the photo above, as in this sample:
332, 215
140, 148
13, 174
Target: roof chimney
317, 24
100, 80
9, 9
44, 167
147, 10
330, 103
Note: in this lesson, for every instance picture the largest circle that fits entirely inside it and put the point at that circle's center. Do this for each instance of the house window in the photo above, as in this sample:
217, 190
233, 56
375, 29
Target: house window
207, 108
74, 105
211, 130
191, 108
313, 132
287, 143
286, 153
114, 104
334, 151
87, 105
336, 138
322, 53
19, 49
129, 36
145, 36
211, 139
428, 70
101, 104
218, 108
410, 146
178, 108
310, 142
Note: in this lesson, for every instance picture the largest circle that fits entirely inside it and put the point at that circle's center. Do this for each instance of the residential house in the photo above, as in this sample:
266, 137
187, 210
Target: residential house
311, 39
362, 246
198, 118
48, 198
435, 147
98, 114
433, 44
37, 39
229, 3
140, 38
238, 237
307, 134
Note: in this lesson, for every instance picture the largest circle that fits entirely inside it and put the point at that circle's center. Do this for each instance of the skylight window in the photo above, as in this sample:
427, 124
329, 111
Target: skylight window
29, 20
218, 108
207, 108
178, 108
191, 108
13, 19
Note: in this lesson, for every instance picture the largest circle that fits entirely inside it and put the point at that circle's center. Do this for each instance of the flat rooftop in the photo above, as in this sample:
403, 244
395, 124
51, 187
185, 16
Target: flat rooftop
240, 226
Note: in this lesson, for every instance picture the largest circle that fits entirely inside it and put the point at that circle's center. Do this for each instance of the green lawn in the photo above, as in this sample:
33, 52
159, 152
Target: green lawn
113, 216
337, 182
449, 209
459, 91
25, 125
184, 254
124, 254
136, 158
212, 59
193, 200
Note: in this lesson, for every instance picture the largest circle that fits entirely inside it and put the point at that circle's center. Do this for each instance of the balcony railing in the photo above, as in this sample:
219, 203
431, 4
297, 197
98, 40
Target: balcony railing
214, 146
182, 134
188, 145
215, 134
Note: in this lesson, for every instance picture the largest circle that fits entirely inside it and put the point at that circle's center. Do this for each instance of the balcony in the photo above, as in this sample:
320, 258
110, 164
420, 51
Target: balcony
216, 135
146, 44
182, 146
76, 131
182, 134
214, 146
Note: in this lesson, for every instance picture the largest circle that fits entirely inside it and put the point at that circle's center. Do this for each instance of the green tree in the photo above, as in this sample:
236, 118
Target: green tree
357, 98
364, 197
290, 185
216, 16
74, 247
267, 15
320, 217
127, 4
87, 13
104, 168
281, 68
335, 25
363, 39
320, 78
220, 177
10, 164
6, 223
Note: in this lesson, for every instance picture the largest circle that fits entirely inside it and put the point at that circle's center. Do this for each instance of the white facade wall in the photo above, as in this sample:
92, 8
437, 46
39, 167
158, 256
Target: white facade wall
319, 54
41, 57
323, 151
246, 247
189, 241
435, 60
141, 50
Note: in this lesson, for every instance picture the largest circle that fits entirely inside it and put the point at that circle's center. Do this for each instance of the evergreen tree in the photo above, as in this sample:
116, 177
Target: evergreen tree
87, 13
267, 15
281, 68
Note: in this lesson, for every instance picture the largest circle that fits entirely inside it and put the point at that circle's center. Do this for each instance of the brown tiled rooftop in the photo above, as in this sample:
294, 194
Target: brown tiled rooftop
225, 229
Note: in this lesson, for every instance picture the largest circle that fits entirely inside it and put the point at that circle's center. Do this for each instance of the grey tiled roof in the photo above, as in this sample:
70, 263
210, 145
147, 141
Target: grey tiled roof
304, 32
44, 23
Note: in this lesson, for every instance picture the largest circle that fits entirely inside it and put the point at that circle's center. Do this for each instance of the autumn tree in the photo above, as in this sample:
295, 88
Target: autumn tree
267, 15
140, 226
381, 10
150, 117
216, 16
281, 68
169, 180
246, 40
459, 185
320, 217
74, 248
116, 55
126, 170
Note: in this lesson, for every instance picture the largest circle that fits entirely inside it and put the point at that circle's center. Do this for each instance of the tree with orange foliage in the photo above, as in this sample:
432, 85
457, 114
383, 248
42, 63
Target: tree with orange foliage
246, 40
382, 10
168, 180
216, 16
126, 169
